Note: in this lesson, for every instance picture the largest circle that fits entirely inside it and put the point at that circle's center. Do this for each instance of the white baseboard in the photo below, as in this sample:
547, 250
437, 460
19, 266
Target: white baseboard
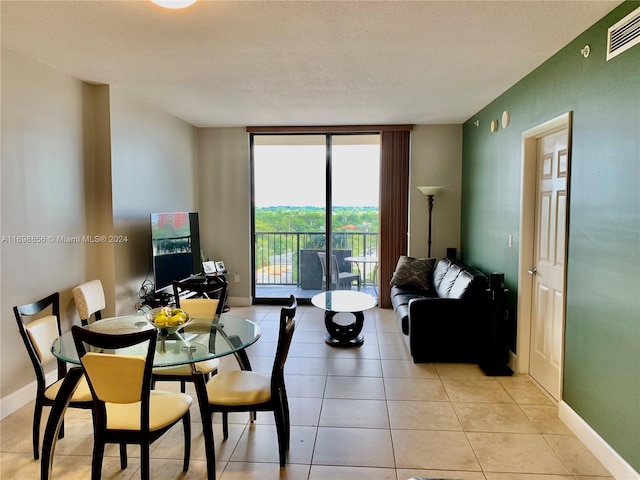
239, 301
513, 362
18, 399
611, 460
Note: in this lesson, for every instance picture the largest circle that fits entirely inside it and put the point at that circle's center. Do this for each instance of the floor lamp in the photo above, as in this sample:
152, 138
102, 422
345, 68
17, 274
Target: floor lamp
430, 192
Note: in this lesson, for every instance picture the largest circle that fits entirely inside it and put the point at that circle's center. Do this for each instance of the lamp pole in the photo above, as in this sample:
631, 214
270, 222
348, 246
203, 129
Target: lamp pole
430, 208
429, 192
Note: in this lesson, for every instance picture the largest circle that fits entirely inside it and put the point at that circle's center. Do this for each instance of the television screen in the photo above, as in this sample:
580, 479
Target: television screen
175, 242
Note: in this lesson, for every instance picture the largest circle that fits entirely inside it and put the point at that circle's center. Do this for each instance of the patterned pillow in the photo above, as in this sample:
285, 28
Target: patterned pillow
414, 272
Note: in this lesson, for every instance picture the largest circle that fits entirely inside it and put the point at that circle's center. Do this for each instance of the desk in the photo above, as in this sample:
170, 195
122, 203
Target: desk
201, 339
364, 260
164, 298
341, 301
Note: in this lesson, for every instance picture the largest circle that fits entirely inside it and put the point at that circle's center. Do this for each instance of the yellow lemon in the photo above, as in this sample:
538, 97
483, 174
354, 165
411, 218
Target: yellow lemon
160, 319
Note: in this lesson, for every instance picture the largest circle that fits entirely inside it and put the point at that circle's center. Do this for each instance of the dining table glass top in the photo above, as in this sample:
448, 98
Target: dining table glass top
198, 340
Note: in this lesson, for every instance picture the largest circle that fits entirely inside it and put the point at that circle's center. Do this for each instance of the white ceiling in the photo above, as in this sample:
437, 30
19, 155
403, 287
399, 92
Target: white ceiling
237, 63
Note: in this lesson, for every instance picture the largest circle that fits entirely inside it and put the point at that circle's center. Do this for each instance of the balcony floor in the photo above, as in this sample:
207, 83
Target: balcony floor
267, 293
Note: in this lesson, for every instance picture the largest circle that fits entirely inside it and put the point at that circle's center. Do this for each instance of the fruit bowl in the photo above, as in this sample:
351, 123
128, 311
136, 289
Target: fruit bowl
168, 320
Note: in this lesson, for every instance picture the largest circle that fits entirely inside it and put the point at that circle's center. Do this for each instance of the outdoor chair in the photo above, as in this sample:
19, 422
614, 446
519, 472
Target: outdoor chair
339, 280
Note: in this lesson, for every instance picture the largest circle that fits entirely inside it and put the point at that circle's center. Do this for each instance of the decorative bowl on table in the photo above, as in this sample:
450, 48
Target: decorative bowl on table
168, 320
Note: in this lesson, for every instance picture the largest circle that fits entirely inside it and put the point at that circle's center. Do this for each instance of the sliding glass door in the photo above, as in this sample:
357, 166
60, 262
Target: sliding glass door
297, 179
355, 180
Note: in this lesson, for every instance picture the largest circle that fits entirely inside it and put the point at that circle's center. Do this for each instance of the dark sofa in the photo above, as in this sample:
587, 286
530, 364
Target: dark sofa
444, 322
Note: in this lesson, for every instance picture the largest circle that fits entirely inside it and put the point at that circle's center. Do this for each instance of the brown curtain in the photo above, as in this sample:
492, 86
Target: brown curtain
394, 207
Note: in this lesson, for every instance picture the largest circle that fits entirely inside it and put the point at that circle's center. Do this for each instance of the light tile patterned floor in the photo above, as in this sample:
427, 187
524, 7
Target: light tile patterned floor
368, 412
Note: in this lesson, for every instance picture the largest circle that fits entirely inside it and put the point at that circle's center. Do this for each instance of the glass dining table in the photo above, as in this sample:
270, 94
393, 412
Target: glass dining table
199, 340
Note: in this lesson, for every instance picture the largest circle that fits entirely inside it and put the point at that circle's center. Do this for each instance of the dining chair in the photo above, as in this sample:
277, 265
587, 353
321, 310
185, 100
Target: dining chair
210, 288
338, 279
202, 301
125, 409
248, 391
39, 326
89, 299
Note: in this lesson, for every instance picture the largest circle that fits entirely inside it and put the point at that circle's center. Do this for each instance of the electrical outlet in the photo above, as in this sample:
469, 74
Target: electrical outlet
236, 278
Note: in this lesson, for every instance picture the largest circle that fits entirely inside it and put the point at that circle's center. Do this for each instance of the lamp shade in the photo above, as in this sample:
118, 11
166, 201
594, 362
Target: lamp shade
174, 3
430, 190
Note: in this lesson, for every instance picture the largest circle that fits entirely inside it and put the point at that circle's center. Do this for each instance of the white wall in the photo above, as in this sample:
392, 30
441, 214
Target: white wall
43, 193
154, 169
79, 159
225, 203
436, 159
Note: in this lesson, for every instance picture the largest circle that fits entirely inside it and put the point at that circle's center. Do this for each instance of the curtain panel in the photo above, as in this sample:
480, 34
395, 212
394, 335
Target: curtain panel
394, 207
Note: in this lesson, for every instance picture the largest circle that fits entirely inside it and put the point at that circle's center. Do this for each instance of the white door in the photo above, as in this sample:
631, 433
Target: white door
547, 309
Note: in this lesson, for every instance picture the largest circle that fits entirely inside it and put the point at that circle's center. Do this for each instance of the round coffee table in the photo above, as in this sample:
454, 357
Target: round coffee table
344, 301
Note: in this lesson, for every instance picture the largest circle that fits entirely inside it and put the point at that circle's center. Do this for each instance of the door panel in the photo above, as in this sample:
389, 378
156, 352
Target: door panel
549, 257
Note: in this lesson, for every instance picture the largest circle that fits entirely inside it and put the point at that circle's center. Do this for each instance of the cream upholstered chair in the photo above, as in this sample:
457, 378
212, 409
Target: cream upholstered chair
125, 409
89, 298
39, 326
202, 312
247, 391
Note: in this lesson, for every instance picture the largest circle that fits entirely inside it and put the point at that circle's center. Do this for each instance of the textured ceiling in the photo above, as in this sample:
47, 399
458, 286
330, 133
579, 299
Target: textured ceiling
224, 63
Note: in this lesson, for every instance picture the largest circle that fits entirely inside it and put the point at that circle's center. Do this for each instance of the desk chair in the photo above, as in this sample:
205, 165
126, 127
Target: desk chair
339, 280
89, 299
202, 301
247, 391
38, 331
125, 410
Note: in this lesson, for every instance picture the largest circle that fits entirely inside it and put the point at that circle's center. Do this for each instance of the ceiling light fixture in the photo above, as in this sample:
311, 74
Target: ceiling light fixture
175, 4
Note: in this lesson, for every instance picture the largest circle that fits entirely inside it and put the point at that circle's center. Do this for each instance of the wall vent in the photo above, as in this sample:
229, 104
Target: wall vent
624, 34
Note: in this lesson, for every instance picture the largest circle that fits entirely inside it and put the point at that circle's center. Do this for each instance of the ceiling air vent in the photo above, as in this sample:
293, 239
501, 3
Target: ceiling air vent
624, 34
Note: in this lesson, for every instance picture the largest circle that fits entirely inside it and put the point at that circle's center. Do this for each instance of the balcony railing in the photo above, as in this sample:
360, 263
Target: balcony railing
280, 256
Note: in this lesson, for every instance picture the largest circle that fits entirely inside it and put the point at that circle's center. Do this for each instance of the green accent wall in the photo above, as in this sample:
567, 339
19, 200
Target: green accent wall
602, 338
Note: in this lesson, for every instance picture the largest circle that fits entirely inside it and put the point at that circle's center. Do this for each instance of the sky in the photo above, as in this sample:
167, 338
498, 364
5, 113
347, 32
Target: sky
293, 175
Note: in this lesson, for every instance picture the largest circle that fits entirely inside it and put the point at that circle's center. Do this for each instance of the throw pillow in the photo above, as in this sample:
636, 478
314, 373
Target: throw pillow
413, 272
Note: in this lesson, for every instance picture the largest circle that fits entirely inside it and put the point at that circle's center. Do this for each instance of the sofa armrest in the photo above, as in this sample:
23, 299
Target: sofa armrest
444, 328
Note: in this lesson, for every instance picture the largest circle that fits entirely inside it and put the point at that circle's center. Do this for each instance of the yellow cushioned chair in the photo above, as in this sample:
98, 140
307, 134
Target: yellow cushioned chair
247, 391
125, 410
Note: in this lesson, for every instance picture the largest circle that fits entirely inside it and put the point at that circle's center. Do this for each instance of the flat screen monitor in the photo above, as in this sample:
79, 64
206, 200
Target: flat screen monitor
175, 242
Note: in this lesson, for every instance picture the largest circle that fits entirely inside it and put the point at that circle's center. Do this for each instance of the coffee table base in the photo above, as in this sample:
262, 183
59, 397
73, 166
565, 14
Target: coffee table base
344, 335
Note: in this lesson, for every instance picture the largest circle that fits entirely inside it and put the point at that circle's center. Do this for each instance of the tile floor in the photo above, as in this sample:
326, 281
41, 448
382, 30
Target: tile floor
368, 412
